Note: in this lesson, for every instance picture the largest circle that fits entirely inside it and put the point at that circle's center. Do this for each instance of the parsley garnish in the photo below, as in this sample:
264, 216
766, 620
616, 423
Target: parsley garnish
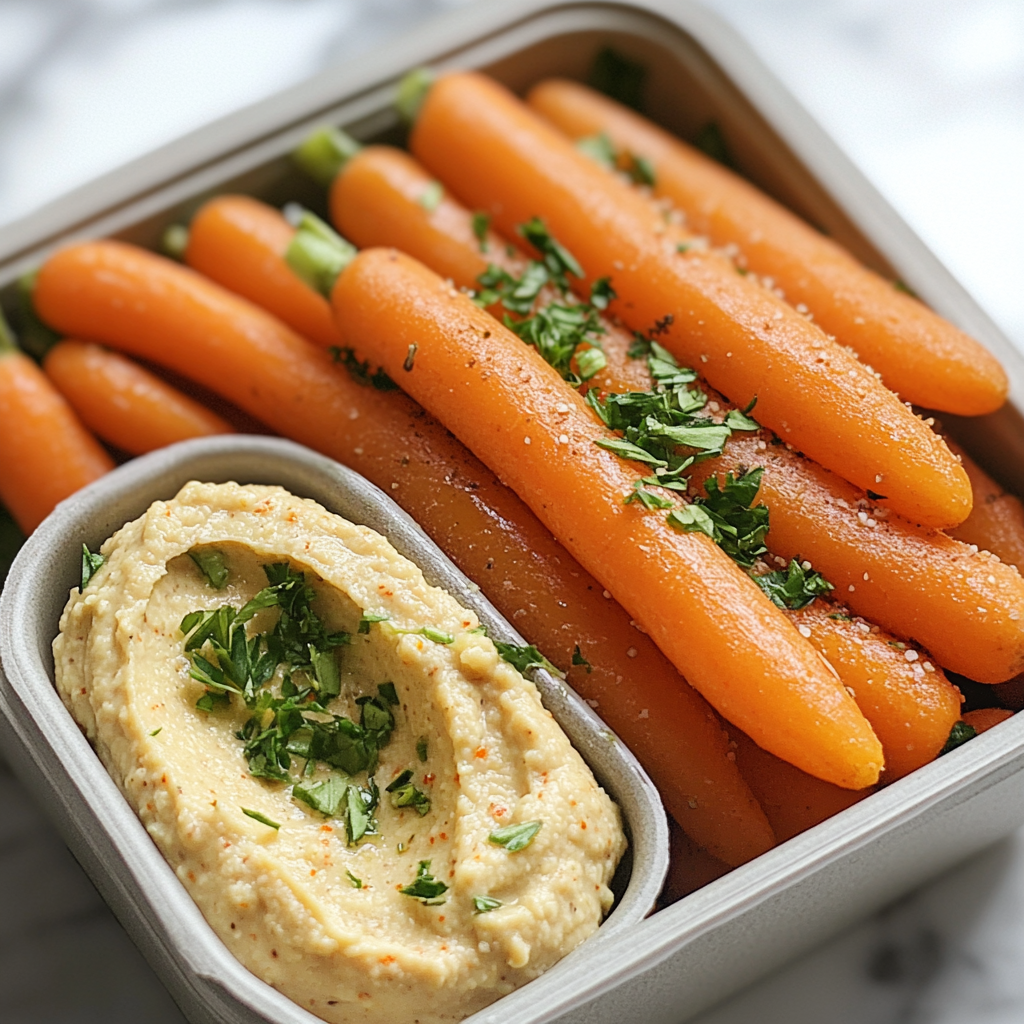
430, 632
261, 818
324, 796
589, 362
794, 587
515, 837
388, 693
958, 735
481, 225
157, 731
602, 149
368, 618
360, 371
405, 794
357, 883
578, 659
91, 564
211, 564
485, 904
426, 888
421, 748
525, 657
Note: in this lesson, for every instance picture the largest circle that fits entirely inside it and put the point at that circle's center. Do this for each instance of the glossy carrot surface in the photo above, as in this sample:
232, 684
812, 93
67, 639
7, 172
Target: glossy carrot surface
920, 355
123, 403
494, 153
996, 522
964, 606
240, 243
157, 309
986, 718
46, 454
516, 413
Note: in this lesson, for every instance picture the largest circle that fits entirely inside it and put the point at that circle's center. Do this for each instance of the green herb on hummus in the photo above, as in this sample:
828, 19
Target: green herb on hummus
526, 656
439, 636
157, 731
425, 887
388, 693
90, 565
421, 748
325, 796
368, 618
211, 564
515, 837
357, 883
484, 904
405, 794
261, 818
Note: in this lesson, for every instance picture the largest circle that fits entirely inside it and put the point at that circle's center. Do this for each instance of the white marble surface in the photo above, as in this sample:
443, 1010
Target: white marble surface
926, 95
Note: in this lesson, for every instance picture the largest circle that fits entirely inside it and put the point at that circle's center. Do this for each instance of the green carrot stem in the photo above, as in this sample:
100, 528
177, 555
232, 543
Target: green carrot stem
325, 152
412, 91
317, 253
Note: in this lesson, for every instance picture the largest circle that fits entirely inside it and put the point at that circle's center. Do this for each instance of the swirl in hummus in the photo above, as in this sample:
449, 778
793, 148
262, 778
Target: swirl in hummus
487, 861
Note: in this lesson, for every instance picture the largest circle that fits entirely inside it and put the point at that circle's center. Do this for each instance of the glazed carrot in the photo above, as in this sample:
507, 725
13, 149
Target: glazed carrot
241, 243
793, 800
517, 414
124, 404
157, 309
494, 153
985, 718
46, 454
920, 355
963, 605
996, 522
375, 201
907, 699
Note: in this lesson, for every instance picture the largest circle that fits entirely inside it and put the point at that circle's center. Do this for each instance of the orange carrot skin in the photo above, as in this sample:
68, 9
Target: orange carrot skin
375, 201
964, 606
996, 522
496, 154
910, 704
159, 310
516, 413
793, 800
241, 243
986, 718
124, 404
920, 355
46, 454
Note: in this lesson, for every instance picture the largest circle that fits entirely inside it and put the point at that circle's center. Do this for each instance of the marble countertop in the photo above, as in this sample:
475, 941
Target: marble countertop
926, 95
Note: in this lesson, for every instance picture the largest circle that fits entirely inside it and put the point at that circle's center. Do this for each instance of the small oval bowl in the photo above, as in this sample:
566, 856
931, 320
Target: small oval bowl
56, 762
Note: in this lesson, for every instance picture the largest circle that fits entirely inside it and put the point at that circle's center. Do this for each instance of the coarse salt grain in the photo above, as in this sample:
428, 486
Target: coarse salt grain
911, 655
804, 631
631, 653
563, 438
526, 440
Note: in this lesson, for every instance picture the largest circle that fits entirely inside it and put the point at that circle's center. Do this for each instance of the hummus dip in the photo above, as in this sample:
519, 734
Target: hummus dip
487, 860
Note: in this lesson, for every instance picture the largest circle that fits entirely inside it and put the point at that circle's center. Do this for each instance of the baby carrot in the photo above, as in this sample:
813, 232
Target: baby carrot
159, 310
241, 243
908, 700
46, 454
494, 153
793, 800
963, 605
920, 355
124, 404
985, 718
516, 413
996, 522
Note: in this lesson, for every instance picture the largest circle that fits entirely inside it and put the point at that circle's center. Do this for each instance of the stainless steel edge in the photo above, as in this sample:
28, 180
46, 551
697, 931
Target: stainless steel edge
60, 767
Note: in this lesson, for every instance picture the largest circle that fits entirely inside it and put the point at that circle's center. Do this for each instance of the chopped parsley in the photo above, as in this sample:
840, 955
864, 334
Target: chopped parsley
485, 904
425, 887
794, 587
405, 794
368, 618
360, 371
421, 748
91, 564
302, 653
261, 818
578, 659
526, 656
211, 564
357, 883
431, 197
515, 837
958, 736
439, 636
156, 732
602, 149
481, 225
589, 362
